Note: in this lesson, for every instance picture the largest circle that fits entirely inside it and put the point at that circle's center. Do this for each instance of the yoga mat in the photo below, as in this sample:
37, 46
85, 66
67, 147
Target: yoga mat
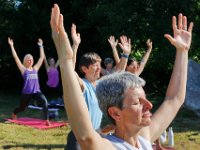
36, 123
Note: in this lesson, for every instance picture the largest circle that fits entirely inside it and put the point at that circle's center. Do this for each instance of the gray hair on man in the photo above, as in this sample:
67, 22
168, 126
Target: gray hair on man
111, 88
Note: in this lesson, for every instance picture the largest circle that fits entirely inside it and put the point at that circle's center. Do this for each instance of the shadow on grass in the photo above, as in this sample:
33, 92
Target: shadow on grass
32, 146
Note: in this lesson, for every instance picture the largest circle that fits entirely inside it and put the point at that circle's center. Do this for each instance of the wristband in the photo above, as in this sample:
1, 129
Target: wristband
40, 46
124, 55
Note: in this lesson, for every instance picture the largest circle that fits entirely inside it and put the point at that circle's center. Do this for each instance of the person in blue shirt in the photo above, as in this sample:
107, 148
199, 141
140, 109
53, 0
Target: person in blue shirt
121, 95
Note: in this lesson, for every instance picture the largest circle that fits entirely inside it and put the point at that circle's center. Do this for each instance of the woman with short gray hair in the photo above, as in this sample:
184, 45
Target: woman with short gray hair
135, 126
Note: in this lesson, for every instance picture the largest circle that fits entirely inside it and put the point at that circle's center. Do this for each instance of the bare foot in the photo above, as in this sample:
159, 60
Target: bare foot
14, 116
48, 123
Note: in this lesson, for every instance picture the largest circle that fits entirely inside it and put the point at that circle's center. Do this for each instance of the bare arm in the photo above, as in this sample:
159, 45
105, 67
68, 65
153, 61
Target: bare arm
175, 94
57, 64
125, 45
113, 44
145, 58
73, 98
40, 60
46, 63
76, 38
103, 71
17, 60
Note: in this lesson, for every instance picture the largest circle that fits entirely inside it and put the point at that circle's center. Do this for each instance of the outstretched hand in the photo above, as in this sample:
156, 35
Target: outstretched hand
182, 34
10, 41
75, 36
149, 44
112, 41
59, 35
125, 44
40, 42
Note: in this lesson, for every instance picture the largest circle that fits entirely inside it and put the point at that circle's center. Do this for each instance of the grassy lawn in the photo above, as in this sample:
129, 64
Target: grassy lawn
186, 128
19, 137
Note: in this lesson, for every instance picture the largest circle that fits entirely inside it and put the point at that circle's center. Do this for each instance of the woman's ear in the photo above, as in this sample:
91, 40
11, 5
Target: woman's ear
115, 113
84, 69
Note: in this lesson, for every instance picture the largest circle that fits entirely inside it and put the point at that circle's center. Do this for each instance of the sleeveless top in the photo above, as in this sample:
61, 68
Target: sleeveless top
31, 82
92, 104
120, 144
53, 77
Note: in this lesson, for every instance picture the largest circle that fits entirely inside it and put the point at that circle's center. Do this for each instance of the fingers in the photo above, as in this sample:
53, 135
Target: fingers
149, 41
129, 41
55, 13
111, 40
190, 27
184, 23
60, 24
174, 24
10, 40
73, 29
169, 38
123, 39
180, 21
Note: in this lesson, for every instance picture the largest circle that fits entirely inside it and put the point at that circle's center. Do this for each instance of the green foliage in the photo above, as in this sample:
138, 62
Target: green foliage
96, 20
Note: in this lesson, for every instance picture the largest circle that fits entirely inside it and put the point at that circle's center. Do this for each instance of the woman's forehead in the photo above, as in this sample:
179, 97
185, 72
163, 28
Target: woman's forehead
135, 92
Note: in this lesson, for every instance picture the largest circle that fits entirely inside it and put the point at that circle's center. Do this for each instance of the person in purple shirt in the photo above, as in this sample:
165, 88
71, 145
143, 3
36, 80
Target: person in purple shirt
52, 84
31, 88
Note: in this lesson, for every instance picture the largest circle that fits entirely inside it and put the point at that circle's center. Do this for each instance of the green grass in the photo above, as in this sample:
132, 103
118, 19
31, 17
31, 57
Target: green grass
19, 137
186, 127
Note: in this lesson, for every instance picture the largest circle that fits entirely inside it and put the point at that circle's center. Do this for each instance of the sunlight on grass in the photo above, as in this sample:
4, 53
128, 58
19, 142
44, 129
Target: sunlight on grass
186, 127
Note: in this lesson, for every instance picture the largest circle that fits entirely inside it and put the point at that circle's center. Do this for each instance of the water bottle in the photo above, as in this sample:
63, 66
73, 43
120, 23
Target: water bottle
170, 137
163, 137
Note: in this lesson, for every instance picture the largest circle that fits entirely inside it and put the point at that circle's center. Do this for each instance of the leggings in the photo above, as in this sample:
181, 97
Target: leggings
39, 97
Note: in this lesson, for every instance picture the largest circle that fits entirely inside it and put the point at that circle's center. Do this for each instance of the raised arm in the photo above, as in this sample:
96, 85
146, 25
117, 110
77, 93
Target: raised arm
40, 60
113, 44
57, 64
46, 63
76, 38
175, 94
125, 45
17, 60
145, 58
75, 105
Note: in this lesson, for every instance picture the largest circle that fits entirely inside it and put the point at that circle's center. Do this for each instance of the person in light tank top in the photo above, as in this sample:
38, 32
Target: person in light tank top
31, 87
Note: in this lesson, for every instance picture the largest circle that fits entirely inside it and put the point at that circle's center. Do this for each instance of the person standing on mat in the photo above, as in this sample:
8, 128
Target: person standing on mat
52, 85
31, 88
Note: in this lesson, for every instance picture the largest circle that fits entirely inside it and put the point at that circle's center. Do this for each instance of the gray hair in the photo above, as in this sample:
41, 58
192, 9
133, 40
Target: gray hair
107, 61
110, 89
